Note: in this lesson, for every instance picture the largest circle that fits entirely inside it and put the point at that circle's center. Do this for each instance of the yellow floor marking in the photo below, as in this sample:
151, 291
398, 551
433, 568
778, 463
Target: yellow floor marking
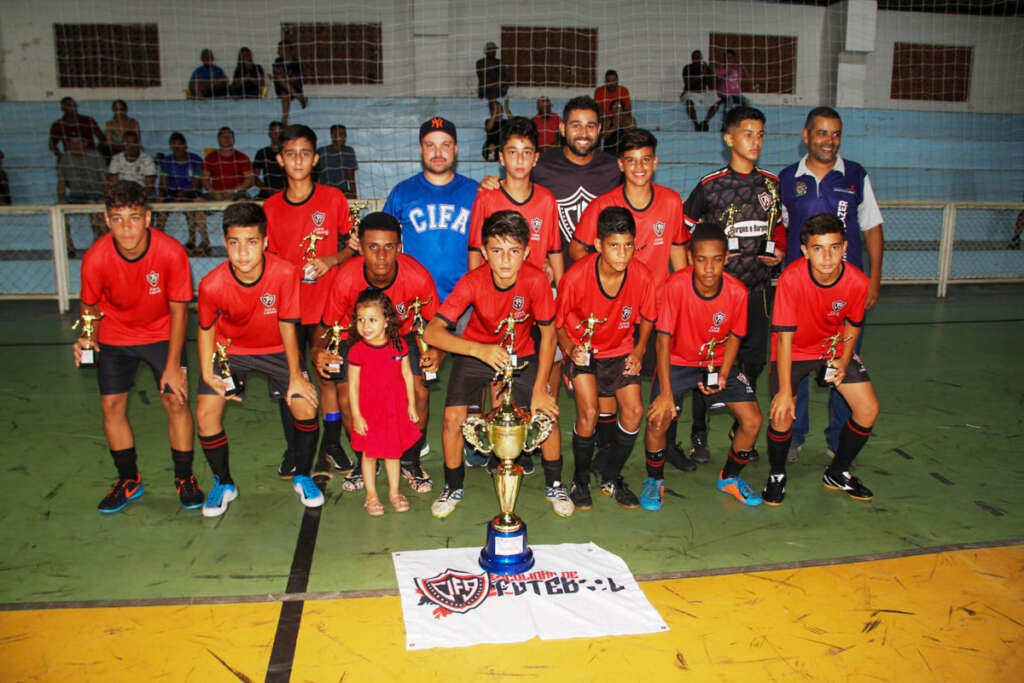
950, 616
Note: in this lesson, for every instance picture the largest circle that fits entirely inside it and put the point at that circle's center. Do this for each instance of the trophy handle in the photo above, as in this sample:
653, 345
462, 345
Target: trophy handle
538, 429
474, 430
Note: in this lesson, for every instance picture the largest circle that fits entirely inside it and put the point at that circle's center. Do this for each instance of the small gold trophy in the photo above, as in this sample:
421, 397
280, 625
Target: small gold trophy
232, 384
333, 336
86, 320
710, 376
508, 340
768, 248
308, 274
827, 372
730, 229
355, 212
587, 339
418, 326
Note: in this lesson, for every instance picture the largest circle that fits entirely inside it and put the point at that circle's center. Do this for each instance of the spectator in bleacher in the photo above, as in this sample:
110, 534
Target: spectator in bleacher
248, 79
730, 84
493, 128
337, 165
491, 76
181, 181
227, 173
133, 164
270, 177
208, 79
619, 121
115, 128
547, 125
288, 79
610, 91
698, 79
5, 186
80, 175
73, 123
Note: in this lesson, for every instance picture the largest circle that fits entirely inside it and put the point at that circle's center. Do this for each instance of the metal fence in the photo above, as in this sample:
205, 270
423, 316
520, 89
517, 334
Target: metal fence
925, 243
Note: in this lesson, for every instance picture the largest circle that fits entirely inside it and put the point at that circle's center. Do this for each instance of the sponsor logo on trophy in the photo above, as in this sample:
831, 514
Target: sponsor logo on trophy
232, 384
768, 248
729, 215
333, 337
587, 339
710, 375
418, 326
86, 320
827, 372
308, 272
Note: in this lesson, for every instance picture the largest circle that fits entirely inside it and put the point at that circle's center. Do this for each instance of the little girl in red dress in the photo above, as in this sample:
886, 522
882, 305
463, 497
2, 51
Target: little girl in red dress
380, 386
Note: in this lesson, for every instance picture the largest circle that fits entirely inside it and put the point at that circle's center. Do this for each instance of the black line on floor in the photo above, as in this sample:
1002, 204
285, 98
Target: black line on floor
994, 511
902, 452
941, 478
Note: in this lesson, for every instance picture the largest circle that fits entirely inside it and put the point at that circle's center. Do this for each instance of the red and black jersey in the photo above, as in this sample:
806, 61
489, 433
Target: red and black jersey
530, 296
580, 295
693, 320
659, 226
815, 312
325, 214
248, 313
411, 281
539, 210
134, 295
749, 195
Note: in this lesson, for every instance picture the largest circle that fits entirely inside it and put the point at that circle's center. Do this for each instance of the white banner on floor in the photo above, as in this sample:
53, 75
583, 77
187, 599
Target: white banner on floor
574, 590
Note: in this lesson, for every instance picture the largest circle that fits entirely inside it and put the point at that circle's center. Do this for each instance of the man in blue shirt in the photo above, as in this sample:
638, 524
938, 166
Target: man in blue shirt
179, 181
434, 207
208, 80
824, 182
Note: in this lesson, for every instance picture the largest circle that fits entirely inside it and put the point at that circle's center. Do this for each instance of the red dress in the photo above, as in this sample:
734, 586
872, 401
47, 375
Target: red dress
382, 401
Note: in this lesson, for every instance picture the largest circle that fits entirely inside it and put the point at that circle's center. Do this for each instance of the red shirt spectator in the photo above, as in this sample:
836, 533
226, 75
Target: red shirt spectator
73, 124
547, 125
611, 90
226, 170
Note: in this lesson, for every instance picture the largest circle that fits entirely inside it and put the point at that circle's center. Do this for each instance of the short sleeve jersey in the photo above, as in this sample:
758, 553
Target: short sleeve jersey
411, 281
539, 210
693, 320
659, 226
709, 202
530, 295
227, 171
248, 313
815, 312
179, 175
435, 225
134, 296
325, 214
581, 295
575, 186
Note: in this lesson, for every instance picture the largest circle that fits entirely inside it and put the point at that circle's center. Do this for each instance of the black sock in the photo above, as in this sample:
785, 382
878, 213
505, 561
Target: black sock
605, 430
656, 464
455, 477
623, 447
552, 471
125, 462
287, 423
182, 463
583, 453
852, 438
306, 434
331, 439
411, 456
778, 447
671, 434
735, 462
215, 447
699, 412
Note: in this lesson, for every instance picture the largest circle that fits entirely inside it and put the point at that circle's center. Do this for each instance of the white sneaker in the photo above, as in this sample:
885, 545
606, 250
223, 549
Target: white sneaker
220, 496
424, 449
559, 499
308, 492
446, 502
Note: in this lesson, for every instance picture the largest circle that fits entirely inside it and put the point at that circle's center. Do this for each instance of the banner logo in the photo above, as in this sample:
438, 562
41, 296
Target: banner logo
455, 591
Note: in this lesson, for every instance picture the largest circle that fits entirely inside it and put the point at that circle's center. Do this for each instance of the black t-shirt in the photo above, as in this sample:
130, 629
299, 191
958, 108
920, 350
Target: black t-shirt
575, 186
697, 77
270, 172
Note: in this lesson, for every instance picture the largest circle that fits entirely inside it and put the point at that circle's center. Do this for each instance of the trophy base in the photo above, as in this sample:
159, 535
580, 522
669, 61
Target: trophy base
769, 248
430, 378
334, 371
87, 359
710, 379
232, 386
506, 553
734, 245
308, 281
826, 375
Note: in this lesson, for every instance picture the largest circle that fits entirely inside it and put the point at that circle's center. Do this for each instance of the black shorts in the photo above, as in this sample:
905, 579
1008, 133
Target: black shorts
306, 336
649, 363
414, 353
273, 365
856, 373
116, 365
685, 379
609, 373
470, 376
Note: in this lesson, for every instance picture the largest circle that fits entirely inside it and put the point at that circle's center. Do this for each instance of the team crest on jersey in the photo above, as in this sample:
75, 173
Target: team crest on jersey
318, 218
268, 300
571, 208
765, 200
536, 224
718, 318
800, 189
659, 228
518, 302
400, 309
153, 279
454, 590
627, 312
837, 306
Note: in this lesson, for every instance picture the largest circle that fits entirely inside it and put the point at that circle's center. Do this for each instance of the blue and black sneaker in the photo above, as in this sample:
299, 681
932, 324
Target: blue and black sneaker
121, 492
473, 457
654, 490
309, 494
220, 495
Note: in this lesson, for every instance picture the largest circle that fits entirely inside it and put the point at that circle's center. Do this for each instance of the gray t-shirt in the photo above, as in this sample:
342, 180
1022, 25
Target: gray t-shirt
84, 175
332, 167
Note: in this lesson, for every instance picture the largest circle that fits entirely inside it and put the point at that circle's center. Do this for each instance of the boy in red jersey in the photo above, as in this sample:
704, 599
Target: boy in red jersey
600, 300
819, 310
139, 280
702, 322
308, 226
506, 286
401, 277
249, 308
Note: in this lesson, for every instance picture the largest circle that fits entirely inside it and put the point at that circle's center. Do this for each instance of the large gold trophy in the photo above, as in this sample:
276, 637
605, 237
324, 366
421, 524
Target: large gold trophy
506, 432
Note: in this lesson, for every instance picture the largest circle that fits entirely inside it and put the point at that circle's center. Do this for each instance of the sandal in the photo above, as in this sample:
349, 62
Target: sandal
374, 507
399, 502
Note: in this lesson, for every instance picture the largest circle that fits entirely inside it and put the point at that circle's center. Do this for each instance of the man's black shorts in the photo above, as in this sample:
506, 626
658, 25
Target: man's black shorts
273, 365
470, 376
116, 365
685, 378
609, 372
856, 373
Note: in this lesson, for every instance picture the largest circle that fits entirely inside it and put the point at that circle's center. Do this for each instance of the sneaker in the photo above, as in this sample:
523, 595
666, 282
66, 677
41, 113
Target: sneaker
446, 502
525, 460
338, 459
678, 459
473, 457
653, 492
619, 490
322, 468
579, 494
189, 493
121, 492
353, 481
793, 454
220, 495
419, 480
424, 449
699, 452
309, 494
559, 499
286, 470
738, 489
774, 490
849, 483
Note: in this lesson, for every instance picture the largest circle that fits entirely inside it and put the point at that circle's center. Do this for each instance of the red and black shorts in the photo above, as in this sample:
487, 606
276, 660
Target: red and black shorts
856, 373
116, 365
470, 376
685, 379
609, 372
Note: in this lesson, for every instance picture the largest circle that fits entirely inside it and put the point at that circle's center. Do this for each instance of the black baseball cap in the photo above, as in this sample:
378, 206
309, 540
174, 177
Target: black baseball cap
438, 124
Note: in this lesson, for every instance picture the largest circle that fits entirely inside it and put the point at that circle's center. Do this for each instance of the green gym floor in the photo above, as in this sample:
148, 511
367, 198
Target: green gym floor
944, 463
